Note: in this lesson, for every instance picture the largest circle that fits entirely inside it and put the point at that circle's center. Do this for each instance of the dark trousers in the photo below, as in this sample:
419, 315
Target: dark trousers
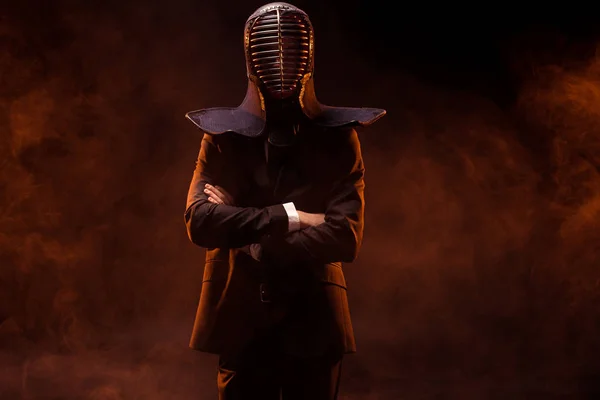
263, 371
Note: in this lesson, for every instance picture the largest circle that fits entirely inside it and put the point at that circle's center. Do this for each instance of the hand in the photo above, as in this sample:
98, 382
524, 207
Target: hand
308, 219
218, 195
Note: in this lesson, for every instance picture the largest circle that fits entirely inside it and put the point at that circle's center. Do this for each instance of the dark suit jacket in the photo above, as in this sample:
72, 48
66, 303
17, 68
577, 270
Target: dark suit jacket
322, 173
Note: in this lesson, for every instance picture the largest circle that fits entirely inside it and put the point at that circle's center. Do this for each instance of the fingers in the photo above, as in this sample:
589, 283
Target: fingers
217, 195
213, 198
215, 190
224, 195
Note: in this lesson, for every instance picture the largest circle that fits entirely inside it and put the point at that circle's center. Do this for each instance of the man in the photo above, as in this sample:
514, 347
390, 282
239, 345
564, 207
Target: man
277, 201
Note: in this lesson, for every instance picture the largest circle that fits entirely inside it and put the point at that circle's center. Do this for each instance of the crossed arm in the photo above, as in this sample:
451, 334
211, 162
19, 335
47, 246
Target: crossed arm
213, 221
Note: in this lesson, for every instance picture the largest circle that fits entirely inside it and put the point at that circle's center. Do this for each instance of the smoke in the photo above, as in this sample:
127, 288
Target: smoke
477, 277
98, 287
482, 252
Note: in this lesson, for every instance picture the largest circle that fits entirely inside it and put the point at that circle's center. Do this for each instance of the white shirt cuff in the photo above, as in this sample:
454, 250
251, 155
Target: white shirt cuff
293, 217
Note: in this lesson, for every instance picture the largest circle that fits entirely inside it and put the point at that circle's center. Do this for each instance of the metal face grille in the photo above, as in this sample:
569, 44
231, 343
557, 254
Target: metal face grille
280, 50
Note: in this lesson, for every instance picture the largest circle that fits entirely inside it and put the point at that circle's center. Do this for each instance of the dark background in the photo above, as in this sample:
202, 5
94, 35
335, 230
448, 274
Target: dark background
479, 272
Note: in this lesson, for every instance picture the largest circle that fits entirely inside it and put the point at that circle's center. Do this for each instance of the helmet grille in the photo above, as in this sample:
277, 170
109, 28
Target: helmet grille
279, 50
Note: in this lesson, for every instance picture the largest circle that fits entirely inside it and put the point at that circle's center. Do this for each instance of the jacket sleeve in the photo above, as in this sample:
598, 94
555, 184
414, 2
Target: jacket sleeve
221, 226
340, 237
